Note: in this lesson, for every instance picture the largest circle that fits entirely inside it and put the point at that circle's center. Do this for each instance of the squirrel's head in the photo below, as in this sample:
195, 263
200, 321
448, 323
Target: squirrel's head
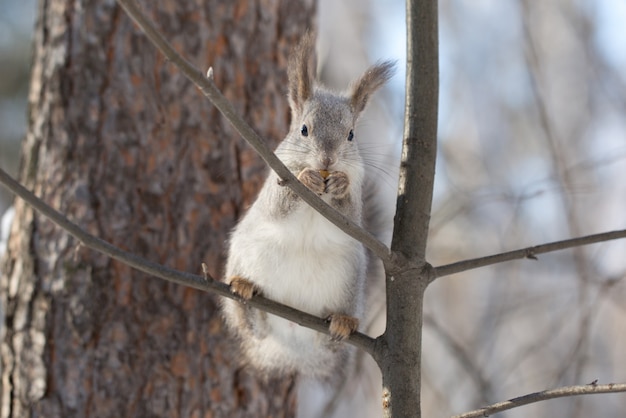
322, 122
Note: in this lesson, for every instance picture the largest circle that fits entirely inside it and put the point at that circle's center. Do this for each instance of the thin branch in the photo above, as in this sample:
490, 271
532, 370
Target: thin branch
208, 88
205, 283
529, 252
543, 396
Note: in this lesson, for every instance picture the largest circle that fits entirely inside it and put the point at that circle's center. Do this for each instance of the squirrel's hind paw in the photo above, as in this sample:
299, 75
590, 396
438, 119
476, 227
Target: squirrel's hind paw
341, 326
243, 287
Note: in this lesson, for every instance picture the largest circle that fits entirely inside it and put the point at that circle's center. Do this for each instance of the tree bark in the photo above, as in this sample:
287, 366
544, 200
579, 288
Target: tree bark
127, 148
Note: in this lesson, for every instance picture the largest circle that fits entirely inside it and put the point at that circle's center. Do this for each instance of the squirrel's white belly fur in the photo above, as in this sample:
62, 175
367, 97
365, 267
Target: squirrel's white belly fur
306, 262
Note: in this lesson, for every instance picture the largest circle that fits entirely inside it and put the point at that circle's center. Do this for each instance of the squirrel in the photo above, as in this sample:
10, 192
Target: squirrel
286, 251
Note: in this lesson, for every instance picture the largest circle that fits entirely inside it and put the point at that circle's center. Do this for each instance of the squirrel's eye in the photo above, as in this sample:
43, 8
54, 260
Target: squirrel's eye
350, 135
304, 130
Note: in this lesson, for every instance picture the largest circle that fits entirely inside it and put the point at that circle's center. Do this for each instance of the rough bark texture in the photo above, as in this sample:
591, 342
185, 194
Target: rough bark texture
127, 148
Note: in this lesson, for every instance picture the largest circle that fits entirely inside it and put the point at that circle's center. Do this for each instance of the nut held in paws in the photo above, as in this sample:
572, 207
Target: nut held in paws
324, 174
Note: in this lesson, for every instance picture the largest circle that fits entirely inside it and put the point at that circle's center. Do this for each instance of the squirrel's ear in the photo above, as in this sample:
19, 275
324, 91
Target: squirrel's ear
369, 82
299, 72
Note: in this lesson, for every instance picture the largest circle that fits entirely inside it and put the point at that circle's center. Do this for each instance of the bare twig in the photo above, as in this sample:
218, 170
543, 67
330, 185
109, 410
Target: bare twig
544, 395
205, 283
208, 88
529, 252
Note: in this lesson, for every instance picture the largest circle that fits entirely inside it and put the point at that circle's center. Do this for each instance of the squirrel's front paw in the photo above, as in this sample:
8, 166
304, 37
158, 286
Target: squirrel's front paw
243, 287
341, 326
312, 179
337, 184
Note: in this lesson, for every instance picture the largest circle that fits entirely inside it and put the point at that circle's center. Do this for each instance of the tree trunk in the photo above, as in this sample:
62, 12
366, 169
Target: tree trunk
122, 144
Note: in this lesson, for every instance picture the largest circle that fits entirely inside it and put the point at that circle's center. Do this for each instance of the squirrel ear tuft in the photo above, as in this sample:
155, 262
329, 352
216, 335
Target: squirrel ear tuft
369, 82
299, 72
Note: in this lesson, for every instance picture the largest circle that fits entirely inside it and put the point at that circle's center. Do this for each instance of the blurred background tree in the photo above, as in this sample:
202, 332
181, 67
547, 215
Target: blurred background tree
532, 149
122, 144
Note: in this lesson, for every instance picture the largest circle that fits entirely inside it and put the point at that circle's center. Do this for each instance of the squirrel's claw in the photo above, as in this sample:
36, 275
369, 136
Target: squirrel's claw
341, 326
243, 287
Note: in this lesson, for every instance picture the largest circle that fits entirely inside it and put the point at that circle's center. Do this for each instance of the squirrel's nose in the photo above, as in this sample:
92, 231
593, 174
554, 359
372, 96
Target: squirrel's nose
328, 161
